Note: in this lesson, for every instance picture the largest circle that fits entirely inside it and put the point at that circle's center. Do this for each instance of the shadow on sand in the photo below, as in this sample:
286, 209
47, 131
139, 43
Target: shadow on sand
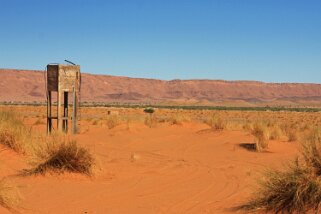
248, 146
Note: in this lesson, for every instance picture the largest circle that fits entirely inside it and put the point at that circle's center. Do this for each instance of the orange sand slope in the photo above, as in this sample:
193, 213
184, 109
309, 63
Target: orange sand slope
168, 169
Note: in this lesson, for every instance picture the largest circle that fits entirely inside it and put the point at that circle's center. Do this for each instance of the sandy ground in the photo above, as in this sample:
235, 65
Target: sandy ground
184, 168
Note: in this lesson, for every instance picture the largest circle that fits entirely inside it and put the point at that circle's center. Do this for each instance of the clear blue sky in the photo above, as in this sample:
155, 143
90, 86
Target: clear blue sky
266, 40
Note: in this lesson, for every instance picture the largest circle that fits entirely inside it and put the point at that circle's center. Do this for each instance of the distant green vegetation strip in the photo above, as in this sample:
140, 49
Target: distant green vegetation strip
222, 108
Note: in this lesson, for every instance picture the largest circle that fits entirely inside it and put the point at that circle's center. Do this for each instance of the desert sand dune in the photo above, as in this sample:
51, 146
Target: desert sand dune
169, 169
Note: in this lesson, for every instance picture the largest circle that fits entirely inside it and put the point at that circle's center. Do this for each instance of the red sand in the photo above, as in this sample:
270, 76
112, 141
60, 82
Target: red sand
167, 169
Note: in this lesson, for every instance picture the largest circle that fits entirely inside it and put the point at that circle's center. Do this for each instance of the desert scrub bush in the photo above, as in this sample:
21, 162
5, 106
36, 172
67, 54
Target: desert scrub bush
311, 150
275, 133
9, 139
177, 119
112, 121
9, 195
292, 135
62, 156
39, 121
216, 122
248, 126
291, 191
297, 189
150, 121
161, 119
95, 122
261, 135
291, 131
13, 133
149, 110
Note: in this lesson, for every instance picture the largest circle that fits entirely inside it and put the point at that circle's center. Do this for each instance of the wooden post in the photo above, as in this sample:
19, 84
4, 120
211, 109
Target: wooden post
49, 119
74, 114
59, 119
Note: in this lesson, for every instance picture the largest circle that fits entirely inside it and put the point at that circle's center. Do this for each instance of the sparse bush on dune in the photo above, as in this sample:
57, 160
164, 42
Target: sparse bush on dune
292, 135
297, 189
150, 121
292, 190
216, 123
248, 126
178, 119
62, 156
9, 195
112, 121
9, 116
261, 135
13, 133
270, 123
175, 120
305, 127
95, 122
161, 119
291, 131
9, 139
311, 151
39, 121
275, 133
149, 110
52, 154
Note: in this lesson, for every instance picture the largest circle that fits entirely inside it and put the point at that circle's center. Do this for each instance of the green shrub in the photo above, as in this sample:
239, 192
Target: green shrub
149, 110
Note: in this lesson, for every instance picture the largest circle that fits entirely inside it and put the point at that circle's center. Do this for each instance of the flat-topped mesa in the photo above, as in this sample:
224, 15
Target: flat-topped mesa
26, 86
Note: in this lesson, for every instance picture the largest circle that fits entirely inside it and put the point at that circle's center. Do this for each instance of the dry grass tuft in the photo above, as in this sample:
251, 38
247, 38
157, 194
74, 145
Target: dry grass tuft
291, 131
177, 119
112, 121
216, 123
261, 135
95, 122
13, 133
150, 120
311, 151
39, 121
9, 139
9, 195
295, 190
248, 126
292, 135
275, 133
61, 157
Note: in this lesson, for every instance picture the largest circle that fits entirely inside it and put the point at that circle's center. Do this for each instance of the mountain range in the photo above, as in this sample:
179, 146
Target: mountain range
29, 86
